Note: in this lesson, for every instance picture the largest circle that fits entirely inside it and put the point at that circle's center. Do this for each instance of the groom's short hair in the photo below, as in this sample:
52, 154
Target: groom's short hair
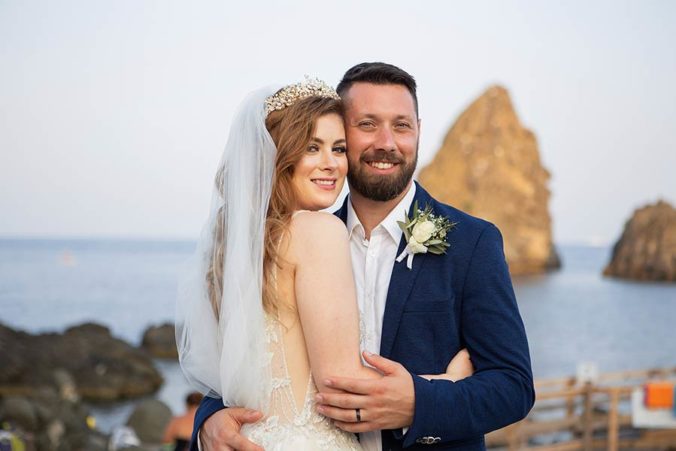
378, 74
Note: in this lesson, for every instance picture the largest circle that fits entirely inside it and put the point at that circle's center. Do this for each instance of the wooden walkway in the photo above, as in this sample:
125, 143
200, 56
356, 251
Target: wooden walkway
569, 415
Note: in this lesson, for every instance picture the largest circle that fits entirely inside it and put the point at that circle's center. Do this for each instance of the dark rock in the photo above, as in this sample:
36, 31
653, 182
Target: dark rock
46, 375
45, 421
83, 361
20, 412
647, 248
149, 419
160, 341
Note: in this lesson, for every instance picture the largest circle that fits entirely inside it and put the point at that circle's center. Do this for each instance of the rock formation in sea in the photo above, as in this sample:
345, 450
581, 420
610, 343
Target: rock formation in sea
489, 166
103, 367
160, 341
647, 248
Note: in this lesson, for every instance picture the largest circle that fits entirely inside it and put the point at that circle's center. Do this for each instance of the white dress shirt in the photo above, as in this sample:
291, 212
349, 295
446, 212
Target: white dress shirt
372, 262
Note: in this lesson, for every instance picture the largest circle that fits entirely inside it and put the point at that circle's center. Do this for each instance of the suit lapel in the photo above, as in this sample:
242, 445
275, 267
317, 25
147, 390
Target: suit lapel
401, 284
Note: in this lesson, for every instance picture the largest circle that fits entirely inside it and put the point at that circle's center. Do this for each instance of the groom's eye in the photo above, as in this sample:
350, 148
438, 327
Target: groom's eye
366, 124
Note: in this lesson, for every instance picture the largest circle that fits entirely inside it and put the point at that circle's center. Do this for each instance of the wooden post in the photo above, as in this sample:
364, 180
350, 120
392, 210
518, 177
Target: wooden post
613, 420
587, 417
570, 399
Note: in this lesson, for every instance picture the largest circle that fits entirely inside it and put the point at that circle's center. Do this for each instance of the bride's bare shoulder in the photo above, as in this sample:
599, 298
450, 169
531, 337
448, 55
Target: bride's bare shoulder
317, 224
309, 229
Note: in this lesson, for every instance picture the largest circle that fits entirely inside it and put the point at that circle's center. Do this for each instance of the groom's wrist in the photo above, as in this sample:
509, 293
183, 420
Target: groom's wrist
424, 417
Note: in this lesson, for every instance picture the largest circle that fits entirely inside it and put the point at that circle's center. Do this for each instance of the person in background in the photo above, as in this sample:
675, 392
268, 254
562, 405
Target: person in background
179, 429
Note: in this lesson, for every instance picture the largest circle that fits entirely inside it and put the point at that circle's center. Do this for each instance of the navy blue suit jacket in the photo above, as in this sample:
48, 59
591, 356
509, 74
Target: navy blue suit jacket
462, 299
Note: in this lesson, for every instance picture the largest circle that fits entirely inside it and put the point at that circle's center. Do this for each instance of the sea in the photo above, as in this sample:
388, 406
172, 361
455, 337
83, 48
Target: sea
574, 316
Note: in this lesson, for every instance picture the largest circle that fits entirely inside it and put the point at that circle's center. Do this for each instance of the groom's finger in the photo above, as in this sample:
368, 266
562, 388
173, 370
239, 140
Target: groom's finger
338, 414
385, 366
364, 426
240, 443
245, 415
221, 431
342, 400
348, 384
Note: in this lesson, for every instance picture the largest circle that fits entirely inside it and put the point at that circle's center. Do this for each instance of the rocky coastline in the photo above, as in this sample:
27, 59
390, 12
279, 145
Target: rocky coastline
46, 381
103, 368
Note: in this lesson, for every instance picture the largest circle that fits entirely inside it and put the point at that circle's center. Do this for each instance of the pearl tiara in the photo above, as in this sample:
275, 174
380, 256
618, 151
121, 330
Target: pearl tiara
288, 95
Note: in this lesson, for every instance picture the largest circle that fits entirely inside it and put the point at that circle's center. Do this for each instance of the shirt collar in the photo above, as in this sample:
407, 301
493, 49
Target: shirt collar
390, 222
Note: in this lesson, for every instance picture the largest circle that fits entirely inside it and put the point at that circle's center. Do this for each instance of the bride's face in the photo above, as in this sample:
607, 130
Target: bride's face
319, 176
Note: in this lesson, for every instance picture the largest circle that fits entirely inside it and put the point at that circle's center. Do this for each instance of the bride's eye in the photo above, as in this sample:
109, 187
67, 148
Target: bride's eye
313, 148
340, 149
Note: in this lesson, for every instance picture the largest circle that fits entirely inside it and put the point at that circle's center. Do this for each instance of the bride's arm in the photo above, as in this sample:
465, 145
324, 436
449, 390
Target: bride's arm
459, 368
326, 298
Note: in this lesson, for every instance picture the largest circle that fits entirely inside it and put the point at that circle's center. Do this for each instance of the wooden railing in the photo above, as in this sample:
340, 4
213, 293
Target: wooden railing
570, 415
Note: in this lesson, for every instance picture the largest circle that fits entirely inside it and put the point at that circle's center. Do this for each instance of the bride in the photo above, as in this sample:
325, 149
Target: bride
268, 309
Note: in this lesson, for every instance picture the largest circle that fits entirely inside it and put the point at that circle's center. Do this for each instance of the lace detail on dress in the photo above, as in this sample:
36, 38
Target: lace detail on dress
286, 429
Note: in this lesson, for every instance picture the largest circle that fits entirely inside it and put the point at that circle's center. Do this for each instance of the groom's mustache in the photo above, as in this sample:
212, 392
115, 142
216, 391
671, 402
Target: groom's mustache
382, 155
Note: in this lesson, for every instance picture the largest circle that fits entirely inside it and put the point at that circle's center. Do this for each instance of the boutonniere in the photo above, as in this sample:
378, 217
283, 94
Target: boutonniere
424, 232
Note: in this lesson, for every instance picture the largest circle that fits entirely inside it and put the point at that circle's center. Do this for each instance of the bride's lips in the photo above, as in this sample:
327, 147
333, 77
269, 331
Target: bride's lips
328, 184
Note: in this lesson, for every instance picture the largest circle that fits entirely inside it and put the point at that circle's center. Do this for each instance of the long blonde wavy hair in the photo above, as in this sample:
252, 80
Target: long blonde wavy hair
291, 130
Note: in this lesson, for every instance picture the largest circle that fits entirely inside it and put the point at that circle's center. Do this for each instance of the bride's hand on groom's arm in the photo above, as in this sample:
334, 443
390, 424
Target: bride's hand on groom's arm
384, 403
459, 368
220, 432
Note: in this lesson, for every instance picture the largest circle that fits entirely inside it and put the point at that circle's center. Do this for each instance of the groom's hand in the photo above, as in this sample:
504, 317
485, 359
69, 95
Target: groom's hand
385, 403
220, 432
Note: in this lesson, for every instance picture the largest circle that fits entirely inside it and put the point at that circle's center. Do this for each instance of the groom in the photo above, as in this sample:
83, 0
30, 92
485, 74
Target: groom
421, 316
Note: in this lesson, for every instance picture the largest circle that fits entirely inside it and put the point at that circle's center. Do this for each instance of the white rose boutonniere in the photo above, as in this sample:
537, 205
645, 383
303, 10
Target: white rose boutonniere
424, 232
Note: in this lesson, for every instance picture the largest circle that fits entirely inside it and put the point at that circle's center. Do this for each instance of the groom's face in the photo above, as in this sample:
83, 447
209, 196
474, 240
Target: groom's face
382, 130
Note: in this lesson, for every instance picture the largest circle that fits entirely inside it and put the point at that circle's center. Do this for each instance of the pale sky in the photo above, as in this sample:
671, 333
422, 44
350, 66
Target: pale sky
113, 114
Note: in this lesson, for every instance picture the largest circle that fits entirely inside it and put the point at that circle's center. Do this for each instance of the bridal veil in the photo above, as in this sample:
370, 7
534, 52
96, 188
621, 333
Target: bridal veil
227, 357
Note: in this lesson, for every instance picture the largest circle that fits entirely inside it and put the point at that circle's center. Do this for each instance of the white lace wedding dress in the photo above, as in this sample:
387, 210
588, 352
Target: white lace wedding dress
286, 428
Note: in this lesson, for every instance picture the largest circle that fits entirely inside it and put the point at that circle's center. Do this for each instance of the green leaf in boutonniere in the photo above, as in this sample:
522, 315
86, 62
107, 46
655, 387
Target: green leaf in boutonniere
424, 232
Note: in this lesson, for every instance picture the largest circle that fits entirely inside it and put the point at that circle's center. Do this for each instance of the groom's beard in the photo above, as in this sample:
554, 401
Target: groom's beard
381, 187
